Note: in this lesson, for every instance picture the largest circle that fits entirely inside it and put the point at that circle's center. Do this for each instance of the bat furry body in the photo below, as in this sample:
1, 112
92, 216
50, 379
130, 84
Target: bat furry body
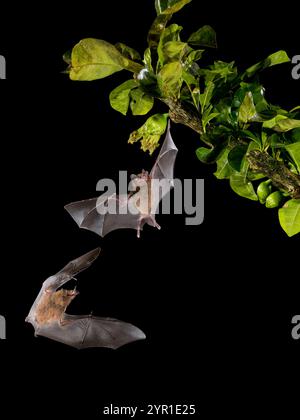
135, 209
49, 318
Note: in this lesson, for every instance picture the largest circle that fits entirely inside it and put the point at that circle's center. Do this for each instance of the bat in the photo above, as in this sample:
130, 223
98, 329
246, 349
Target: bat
133, 210
50, 320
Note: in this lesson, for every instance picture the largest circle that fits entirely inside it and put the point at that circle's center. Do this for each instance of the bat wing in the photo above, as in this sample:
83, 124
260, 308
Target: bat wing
162, 173
71, 269
89, 331
63, 276
87, 216
164, 165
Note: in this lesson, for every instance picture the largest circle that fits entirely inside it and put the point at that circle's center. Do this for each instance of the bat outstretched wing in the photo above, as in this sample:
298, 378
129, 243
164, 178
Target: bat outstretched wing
90, 331
73, 268
164, 165
162, 173
88, 216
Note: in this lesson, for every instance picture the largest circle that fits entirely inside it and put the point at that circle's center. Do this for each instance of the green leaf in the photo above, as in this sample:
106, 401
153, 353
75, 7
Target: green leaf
273, 121
236, 156
204, 37
247, 111
205, 97
286, 124
223, 168
67, 57
193, 56
128, 52
156, 30
120, 97
141, 103
221, 70
210, 155
95, 59
248, 134
173, 51
207, 116
170, 79
289, 217
294, 151
277, 58
295, 134
295, 109
169, 34
242, 187
150, 132
169, 6
148, 59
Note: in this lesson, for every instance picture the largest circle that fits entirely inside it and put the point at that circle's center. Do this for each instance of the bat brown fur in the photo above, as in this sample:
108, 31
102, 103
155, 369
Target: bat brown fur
53, 305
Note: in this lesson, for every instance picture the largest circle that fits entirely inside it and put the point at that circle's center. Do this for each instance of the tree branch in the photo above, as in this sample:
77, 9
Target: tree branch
279, 174
182, 114
261, 162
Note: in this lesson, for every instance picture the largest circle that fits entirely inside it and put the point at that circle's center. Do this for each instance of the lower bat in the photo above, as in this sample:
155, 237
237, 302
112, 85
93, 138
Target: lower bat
49, 318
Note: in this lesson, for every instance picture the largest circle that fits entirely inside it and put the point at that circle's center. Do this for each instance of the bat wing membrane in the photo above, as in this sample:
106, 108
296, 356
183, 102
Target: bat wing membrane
90, 331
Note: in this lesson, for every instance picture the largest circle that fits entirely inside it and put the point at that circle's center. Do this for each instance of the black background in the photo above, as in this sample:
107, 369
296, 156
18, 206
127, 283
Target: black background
215, 300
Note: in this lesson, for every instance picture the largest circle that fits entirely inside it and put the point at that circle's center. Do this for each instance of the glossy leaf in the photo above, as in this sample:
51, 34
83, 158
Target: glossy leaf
223, 168
141, 103
148, 59
286, 124
95, 59
219, 70
248, 134
170, 79
169, 34
208, 116
206, 96
294, 151
236, 156
247, 111
169, 6
67, 57
120, 97
156, 30
204, 37
271, 123
241, 186
289, 217
277, 58
128, 52
173, 51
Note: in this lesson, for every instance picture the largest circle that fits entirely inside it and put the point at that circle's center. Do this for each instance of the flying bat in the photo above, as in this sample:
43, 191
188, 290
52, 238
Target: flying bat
107, 213
49, 318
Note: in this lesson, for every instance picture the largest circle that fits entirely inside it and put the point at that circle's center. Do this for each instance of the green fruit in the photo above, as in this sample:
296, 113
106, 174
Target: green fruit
274, 200
263, 190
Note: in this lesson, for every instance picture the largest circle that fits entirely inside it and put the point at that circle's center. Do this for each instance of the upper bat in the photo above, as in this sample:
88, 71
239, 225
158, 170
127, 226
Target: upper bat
49, 319
107, 213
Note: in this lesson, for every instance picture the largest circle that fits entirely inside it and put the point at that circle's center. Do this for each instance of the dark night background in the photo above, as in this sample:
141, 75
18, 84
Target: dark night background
216, 300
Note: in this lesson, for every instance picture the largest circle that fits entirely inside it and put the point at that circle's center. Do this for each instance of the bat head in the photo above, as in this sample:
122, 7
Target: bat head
62, 298
138, 181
